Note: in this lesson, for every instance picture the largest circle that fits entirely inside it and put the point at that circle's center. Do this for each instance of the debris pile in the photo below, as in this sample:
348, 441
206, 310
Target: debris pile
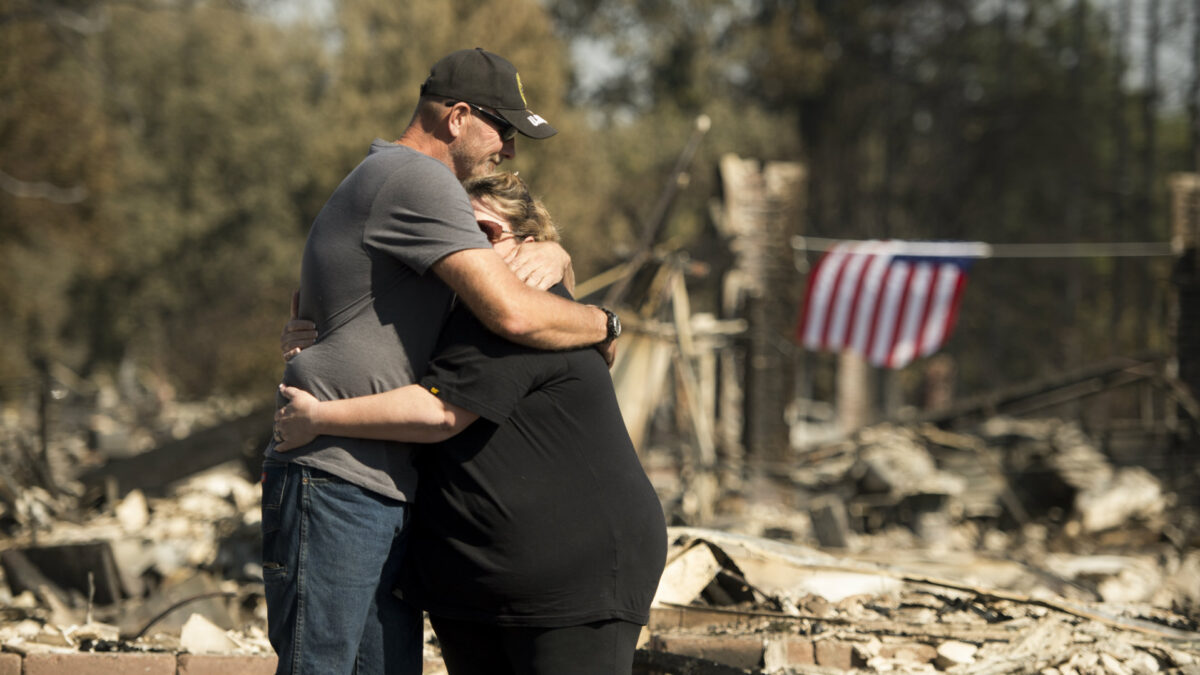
795, 609
162, 574
1017, 486
1019, 548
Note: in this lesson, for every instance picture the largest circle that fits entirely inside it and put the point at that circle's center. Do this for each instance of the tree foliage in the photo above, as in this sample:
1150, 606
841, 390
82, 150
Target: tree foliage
1010, 122
160, 162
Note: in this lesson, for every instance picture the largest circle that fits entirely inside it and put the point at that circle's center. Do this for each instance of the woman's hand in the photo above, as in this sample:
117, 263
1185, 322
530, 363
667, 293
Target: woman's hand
540, 264
295, 423
297, 333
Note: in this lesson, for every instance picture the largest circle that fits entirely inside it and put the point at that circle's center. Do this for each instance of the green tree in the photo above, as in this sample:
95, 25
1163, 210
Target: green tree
213, 108
922, 119
55, 151
160, 163
152, 164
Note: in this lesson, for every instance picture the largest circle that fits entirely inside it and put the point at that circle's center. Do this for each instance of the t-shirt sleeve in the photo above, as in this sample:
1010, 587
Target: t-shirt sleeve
422, 214
478, 370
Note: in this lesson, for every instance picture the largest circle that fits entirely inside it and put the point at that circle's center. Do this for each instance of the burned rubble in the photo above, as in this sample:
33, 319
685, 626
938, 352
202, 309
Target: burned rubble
89, 561
1017, 547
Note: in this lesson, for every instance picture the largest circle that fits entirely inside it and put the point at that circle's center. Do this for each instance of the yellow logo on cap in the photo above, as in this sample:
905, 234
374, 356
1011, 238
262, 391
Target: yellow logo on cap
521, 90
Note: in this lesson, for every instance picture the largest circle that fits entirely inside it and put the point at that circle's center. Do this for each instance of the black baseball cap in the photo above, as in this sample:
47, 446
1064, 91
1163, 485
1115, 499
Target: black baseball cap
486, 79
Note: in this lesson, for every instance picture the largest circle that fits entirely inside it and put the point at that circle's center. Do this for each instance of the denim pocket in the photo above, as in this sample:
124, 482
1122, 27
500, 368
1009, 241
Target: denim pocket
274, 483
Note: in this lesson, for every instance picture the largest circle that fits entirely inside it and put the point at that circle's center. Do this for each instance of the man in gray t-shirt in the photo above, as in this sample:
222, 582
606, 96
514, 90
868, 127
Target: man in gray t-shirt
364, 282
384, 259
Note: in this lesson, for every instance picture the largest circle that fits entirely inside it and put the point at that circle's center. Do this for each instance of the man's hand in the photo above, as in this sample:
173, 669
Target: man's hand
540, 264
609, 351
297, 333
294, 423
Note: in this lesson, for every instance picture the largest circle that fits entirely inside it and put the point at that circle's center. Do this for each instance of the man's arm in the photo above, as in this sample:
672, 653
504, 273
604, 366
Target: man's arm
410, 414
510, 308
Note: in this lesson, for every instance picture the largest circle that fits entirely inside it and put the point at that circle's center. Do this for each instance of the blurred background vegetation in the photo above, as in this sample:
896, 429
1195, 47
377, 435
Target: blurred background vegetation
161, 160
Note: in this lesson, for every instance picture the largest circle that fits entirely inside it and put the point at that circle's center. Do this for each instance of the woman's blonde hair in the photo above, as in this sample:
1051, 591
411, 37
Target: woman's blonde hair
507, 195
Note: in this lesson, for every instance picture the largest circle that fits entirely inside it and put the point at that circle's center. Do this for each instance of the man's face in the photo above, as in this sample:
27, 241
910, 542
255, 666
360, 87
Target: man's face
479, 150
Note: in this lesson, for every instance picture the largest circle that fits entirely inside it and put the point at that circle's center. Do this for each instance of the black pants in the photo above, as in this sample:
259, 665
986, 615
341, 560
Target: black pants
473, 648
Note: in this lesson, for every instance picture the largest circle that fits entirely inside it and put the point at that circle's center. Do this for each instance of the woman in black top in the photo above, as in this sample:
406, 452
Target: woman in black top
538, 541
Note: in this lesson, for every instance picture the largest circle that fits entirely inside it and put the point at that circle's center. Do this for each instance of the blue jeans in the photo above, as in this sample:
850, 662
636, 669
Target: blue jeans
331, 553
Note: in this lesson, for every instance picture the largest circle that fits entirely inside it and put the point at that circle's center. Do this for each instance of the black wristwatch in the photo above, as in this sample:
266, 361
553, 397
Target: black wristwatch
613, 325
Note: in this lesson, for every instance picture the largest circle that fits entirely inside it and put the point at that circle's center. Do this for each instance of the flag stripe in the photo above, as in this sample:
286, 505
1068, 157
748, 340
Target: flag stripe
915, 305
940, 306
896, 323
808, 317
819, 293
884, 326
835, 293
960, 285
865, 312
848, 288
889, 307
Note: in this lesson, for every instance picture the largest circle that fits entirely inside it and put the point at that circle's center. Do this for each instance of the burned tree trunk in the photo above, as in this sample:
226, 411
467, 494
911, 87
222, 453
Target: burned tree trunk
764, 210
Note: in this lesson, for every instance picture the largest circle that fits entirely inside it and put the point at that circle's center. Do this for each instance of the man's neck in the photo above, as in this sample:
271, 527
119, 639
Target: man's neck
427, 145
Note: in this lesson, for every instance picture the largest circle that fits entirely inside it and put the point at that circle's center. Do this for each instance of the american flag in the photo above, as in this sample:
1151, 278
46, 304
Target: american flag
890, 301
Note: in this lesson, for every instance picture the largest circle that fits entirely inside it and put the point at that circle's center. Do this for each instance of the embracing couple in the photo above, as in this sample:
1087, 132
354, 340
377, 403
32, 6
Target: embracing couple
440, 340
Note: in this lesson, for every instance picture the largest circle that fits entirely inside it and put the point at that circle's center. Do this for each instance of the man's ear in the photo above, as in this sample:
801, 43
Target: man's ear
457, 118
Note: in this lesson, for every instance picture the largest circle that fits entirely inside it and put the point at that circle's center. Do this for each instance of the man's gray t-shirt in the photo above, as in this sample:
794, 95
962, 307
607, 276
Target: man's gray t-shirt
365, 281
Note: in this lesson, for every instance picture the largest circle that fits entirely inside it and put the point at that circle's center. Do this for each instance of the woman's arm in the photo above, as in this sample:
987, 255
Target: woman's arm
409, 414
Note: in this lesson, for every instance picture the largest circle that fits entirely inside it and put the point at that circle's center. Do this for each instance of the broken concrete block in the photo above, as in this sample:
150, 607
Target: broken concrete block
24, 630
201, 636
1142, 663
225, 482
53, 636
829, 520
833, 653
954, 653
914, 652
895, 463
780, 653
94, 631
132, 512
1131, 493
1113, 666
1182, 588
1116, 578
686, 576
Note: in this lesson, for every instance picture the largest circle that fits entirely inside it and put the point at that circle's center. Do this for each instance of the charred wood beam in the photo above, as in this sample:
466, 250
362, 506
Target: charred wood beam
152, 471
23, 575
1076, 392
90, 569
1049, 391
